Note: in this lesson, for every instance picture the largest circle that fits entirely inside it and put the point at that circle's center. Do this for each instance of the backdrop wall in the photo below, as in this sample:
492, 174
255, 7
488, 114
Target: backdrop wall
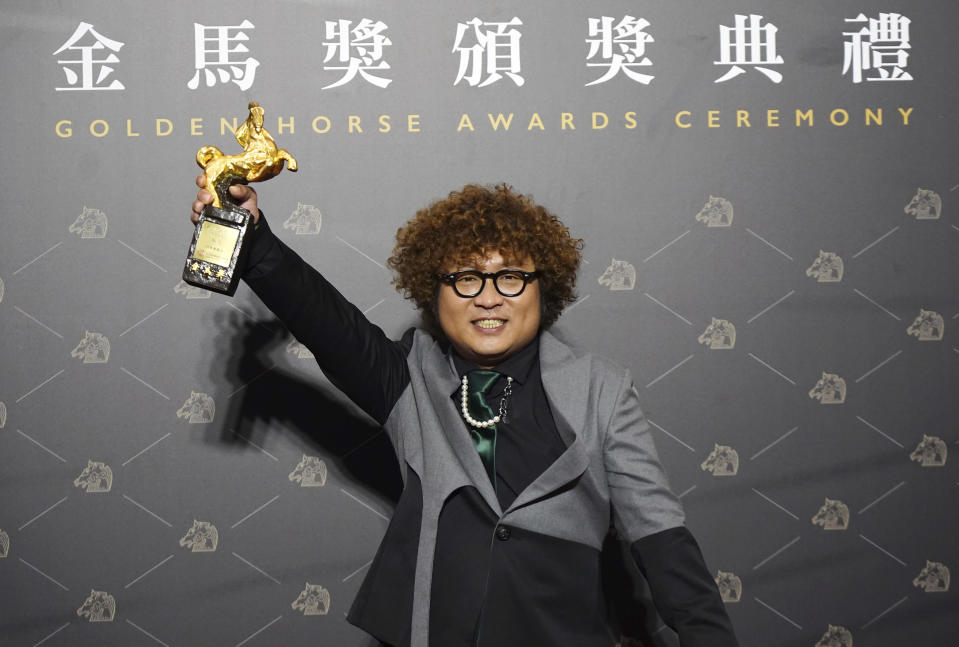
767, 194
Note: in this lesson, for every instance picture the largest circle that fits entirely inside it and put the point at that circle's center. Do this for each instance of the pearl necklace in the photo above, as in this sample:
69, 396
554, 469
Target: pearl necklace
464, 407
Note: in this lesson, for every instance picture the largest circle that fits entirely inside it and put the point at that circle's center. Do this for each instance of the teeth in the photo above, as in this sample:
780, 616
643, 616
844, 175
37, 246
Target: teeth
489, 323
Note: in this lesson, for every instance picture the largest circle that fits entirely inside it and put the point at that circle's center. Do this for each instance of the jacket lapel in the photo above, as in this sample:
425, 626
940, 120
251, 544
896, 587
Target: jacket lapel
456, 462
566, 382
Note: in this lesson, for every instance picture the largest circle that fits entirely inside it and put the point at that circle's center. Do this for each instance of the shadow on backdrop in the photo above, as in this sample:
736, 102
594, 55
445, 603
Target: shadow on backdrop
266, 396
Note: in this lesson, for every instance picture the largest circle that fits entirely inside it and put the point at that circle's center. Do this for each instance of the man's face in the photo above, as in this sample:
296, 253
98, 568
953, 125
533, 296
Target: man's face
489, 328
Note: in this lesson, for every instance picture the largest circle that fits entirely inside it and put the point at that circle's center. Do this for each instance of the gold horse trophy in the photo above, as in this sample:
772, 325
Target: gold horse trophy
224, 230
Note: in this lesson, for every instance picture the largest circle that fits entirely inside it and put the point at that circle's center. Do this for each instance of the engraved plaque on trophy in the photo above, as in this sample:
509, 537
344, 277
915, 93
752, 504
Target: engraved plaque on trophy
224, 230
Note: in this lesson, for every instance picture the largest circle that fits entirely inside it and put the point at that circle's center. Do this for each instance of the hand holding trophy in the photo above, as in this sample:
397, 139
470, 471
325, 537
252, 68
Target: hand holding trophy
224, 229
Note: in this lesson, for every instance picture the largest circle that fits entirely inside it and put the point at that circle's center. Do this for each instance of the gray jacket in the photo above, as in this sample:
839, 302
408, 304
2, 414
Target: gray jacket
610, 464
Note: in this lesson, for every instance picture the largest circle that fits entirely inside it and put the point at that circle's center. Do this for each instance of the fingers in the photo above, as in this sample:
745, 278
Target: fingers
242, 194
203, 198
245, 196
198, 206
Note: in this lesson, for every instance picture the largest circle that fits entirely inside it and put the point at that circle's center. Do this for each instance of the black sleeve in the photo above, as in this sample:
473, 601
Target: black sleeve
684, 593
356, 355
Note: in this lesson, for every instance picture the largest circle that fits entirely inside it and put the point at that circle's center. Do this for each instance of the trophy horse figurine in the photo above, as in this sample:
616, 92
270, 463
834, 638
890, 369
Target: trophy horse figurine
260, 160
224, 230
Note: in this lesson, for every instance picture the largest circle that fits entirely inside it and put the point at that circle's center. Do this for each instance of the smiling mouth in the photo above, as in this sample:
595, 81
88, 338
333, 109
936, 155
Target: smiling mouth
489, 324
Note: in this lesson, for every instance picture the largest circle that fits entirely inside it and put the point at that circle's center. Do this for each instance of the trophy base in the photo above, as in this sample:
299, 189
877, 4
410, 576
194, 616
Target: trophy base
219, 248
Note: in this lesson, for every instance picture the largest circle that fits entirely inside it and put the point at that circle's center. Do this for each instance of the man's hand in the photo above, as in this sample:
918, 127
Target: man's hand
243, 195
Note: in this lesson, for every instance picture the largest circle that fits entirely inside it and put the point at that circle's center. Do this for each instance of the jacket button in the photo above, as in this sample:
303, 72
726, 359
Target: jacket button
502, 533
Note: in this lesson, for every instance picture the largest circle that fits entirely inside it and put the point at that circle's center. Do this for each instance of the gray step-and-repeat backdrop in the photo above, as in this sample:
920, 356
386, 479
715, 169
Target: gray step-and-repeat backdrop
767, 190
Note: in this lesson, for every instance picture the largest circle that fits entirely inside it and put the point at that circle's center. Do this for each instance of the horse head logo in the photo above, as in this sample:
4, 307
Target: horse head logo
620, 275
730, 586
833, 515
298, 350
931, 452
310, 472
94, 348
928, 326
191, 291
717, 212
3, 415
722, 461
99, 606
305, 220
202, 537
933, 578
199, 408
719, 335
91, 223
830, 389
827, 268
925, 205
95, 477
4, 544
313, 600
835, 637
260, 160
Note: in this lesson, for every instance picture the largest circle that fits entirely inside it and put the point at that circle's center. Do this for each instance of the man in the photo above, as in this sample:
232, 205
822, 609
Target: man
515, 450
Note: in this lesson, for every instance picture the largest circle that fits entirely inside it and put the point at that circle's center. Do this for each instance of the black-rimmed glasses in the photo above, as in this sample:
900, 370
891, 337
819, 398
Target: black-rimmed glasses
469, 283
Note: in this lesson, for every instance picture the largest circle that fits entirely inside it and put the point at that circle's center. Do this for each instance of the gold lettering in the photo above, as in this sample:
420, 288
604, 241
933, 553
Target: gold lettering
325, 129
599, 120
500, 120
843, 117
804, 116
99, 128
465, 123
281, 127
227, 126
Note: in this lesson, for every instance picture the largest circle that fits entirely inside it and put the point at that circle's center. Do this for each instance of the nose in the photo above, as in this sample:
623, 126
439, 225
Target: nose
488, 296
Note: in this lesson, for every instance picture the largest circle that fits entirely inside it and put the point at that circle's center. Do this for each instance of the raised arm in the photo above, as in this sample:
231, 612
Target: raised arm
355, 354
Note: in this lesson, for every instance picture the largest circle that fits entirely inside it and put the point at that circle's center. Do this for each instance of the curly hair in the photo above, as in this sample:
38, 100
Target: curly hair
469, 224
